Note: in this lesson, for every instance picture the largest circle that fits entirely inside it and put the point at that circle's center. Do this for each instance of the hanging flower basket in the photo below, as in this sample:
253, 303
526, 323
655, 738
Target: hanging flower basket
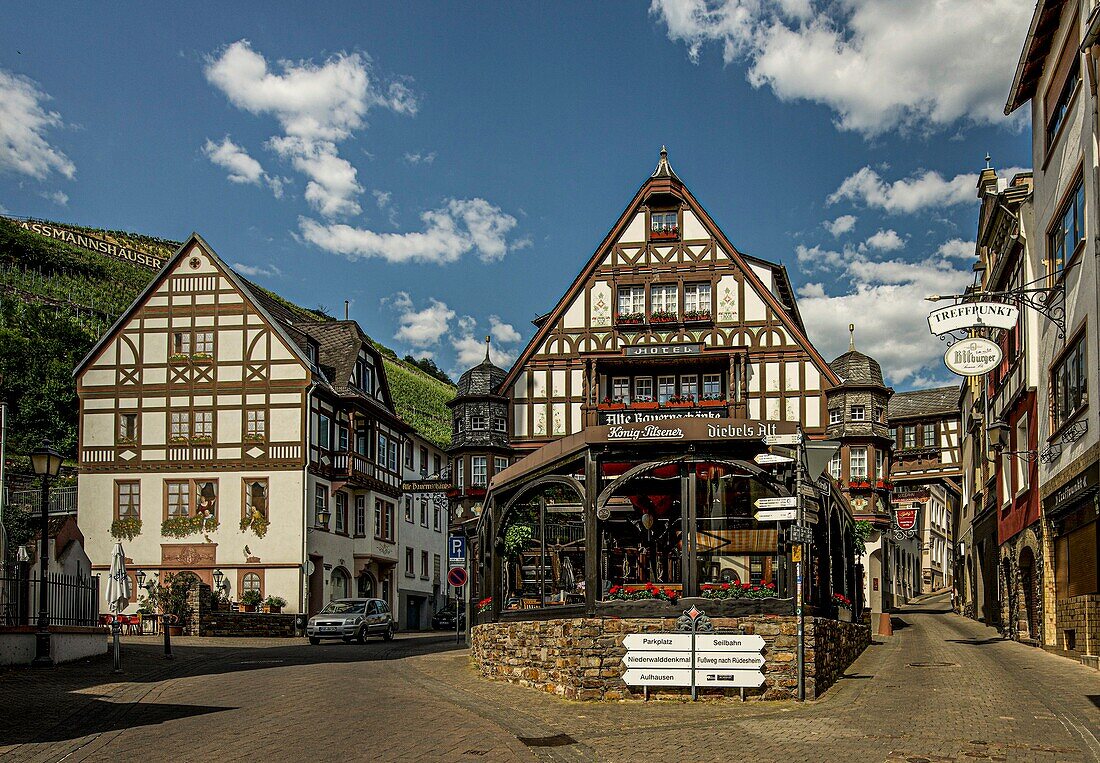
127, 528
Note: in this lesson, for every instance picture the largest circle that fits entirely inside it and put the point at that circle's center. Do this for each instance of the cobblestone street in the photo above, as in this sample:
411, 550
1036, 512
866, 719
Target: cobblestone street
941, 689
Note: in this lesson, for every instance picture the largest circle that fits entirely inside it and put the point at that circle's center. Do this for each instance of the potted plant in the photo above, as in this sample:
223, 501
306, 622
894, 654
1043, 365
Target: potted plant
250, 600
202, 357
607, 404
274, 604
696, 316
178, 357
680, 401
630, 318
171, 597
647, 592
485, 605
662, 316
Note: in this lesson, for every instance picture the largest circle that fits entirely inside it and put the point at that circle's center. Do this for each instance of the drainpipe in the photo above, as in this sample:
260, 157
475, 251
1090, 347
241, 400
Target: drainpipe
303, 577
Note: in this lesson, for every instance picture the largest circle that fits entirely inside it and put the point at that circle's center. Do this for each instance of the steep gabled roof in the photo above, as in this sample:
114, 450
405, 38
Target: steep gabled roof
254, 296
939, 401
339, 343
1040, 36
664, 180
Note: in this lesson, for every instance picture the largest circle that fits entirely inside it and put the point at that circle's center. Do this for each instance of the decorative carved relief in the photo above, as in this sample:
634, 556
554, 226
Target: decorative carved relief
188, 554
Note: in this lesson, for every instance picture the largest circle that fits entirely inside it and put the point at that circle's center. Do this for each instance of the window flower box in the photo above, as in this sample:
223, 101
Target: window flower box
665, 233
713, 403
696, 316
201, 439
883, 484
202, 357
127, 528
645, 405
738, 591
127, 441
181, 527
179, 357
860, 485
630, 319
179, 439
256, 522
253, 437
680, 401
647, 592
609, 405
662, 316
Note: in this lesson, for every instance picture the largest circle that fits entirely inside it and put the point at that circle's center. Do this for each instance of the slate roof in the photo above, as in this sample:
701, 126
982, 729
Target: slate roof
924, 402
483, 379
855, 368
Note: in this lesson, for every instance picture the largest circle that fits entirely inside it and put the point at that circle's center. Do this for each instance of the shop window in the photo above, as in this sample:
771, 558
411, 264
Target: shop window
697, 302
1068, 231
730, 546
1069, 383
544, 542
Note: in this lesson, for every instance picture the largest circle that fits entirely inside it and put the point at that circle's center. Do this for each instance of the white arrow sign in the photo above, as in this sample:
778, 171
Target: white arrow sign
661, 642
776, 515
659, 677
729, 660
728, 642
651, 659
729, 678
784, 502
771, 458
783, 439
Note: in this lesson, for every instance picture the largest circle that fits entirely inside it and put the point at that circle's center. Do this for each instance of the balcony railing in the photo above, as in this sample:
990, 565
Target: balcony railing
62, 500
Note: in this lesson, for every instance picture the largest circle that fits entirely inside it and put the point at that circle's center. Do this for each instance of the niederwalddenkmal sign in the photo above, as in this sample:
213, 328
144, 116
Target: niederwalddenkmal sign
973, 315
93, 243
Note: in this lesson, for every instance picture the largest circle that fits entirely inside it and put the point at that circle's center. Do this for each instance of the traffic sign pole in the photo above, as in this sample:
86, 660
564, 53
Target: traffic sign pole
798, 579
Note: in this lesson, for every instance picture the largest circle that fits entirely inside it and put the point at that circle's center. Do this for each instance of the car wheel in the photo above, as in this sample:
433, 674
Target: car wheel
361, 636
314, 640
387, 635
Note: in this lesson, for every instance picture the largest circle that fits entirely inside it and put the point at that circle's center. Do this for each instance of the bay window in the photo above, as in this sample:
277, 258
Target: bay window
1069, 383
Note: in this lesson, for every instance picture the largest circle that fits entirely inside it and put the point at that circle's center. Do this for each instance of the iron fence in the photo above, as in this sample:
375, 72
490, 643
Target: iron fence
73, 599
62, 500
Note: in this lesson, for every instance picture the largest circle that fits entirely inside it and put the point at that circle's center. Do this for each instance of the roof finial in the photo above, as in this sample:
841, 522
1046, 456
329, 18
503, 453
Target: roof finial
664, 151
851, 337
987, 159
487, 340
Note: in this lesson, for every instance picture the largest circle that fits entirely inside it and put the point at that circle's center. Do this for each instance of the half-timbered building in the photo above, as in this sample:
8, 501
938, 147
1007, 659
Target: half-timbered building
221, 430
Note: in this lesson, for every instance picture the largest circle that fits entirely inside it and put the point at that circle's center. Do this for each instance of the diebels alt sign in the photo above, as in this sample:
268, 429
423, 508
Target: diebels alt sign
973, 315
93, 243
972, 357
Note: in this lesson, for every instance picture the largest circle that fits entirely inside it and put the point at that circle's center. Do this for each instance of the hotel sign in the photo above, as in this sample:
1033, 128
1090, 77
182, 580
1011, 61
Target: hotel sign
93, 243
969, 315
680, 429
662, 350
972, 357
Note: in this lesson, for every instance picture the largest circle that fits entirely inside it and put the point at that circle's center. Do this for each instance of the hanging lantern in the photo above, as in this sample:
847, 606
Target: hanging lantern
647, 521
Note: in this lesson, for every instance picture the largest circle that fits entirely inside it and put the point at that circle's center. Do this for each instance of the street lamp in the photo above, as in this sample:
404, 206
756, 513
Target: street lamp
219, 576
47, 463
998, 435
322, 517
139, 578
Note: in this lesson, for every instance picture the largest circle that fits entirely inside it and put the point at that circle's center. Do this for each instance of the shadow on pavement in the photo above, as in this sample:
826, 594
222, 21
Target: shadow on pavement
100, 716
974, 641
897, 623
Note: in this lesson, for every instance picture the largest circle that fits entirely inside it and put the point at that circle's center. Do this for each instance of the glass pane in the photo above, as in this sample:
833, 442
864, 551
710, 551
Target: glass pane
642, 539
536, 574
732, 548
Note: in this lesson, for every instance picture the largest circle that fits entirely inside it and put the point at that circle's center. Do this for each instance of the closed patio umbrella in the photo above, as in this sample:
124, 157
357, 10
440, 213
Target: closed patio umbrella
119, 592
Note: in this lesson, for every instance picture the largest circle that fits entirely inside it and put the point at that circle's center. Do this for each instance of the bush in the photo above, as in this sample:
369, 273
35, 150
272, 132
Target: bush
251, 598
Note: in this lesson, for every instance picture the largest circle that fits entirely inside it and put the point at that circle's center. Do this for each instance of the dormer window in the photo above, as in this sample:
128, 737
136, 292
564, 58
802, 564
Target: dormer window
664, 226
311, 353
364, 378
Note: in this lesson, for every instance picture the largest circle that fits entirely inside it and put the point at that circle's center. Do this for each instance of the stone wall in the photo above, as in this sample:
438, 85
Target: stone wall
1081, 614
207, 622
581, 658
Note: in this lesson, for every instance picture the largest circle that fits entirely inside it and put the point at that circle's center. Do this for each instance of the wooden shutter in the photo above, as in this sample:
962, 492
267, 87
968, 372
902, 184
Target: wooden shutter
1082, 561
1061, 565
1066, 60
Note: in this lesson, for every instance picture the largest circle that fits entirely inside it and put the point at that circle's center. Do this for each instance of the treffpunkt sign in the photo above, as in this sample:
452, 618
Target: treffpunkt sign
93, 243
972, 357
973, 315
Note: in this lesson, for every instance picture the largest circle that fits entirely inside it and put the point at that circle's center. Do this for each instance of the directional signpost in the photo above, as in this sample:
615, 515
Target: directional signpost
694, 658
783, 502
801, 534
776, 515
783, 439
771, 458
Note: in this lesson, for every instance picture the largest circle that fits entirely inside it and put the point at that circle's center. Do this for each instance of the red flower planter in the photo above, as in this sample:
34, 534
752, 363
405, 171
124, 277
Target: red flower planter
644, 406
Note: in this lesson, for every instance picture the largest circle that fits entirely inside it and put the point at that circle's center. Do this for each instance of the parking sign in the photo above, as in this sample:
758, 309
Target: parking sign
456, 549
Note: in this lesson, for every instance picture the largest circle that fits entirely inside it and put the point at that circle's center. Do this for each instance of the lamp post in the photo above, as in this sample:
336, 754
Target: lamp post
47, 464
219, 576
139, 578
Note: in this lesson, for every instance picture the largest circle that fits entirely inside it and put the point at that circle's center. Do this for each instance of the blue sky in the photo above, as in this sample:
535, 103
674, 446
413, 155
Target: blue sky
450, 168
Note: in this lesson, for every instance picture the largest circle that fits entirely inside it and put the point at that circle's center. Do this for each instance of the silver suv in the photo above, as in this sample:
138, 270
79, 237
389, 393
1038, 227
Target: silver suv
351, 620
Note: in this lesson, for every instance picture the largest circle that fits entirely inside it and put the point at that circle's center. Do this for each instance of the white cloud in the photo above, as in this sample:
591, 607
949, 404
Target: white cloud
841, 225
419, 158
255, 270
886, 302
877, 64
504, 333
470, 350
317, 106
884, 241
59, 198
382, 198
24, 121
816, 258
459, 227
957, 249
923, 190
242, 167
421, 328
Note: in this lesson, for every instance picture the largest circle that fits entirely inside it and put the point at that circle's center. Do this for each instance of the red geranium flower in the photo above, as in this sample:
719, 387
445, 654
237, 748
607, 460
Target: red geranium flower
725, 586
616, 588
746, 586
771, 585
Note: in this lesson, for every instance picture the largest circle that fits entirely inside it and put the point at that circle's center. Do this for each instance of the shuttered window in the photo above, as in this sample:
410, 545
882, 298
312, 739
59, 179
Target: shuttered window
1075, 562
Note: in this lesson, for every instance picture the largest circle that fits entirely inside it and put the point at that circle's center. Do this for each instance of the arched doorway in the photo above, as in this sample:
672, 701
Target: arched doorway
339, 584
1029, 616
365, 585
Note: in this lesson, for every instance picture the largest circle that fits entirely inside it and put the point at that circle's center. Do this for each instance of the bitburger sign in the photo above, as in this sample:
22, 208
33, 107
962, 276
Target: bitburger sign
972, 357
93, 243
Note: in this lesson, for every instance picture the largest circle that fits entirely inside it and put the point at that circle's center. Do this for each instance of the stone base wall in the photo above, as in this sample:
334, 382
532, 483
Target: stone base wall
1081, 614
581, 658
207, 622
